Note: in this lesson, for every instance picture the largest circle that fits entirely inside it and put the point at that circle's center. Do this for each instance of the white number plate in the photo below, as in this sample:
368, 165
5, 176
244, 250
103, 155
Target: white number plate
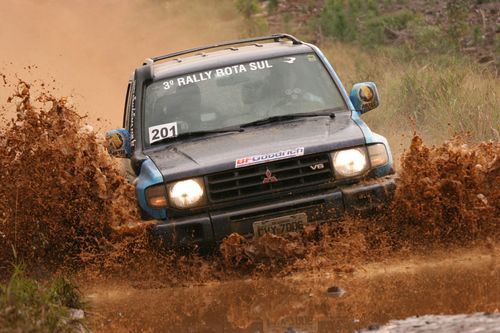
280, 225
160, 132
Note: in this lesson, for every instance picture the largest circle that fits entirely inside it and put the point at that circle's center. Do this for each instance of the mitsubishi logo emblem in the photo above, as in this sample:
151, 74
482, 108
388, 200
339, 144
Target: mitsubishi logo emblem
269, 178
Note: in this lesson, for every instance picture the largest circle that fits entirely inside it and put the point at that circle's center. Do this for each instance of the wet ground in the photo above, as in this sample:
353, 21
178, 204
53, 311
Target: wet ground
445, 283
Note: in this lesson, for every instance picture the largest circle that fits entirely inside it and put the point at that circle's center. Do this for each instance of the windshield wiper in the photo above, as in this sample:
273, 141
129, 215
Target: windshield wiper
200, 133
273, 119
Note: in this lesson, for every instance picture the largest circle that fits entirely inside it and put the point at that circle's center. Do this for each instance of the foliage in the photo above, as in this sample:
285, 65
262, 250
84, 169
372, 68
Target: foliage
250, 10
357, 20
247, 7
457, 12
342, 19
425, 84
369, 24
27, 306
438, 95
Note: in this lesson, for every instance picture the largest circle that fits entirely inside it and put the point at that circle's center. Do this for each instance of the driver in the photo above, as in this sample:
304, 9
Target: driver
183, 106
287, 89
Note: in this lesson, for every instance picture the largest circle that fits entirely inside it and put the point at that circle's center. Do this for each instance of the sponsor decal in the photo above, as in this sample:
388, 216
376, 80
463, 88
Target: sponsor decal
365, 94
132, 117
279, 155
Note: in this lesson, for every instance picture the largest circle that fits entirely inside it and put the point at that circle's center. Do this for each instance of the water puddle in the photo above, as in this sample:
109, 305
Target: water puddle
303, 304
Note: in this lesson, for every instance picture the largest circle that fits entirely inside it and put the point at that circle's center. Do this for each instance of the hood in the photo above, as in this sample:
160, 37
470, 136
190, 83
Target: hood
219, 152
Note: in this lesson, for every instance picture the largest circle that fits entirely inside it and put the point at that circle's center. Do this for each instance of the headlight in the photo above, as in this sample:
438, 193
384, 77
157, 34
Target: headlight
156, 196
378, 155
349, 162
187, 193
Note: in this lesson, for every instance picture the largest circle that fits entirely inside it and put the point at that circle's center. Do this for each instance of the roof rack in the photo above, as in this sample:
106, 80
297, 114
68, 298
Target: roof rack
276, 38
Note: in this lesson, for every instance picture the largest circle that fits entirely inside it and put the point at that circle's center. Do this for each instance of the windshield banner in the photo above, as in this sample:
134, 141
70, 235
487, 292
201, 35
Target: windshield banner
218, 73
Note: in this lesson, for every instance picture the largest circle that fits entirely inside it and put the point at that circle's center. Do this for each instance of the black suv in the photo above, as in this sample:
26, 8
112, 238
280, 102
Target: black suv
256, 136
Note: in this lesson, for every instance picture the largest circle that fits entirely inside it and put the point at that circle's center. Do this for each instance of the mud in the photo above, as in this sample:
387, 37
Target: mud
464, 282
65, 207
61, 196
448, 193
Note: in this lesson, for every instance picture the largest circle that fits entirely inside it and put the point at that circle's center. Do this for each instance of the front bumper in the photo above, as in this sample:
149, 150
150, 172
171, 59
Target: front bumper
207, 229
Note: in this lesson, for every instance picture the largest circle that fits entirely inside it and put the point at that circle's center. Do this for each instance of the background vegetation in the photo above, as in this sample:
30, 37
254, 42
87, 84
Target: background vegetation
418, 53
28, 306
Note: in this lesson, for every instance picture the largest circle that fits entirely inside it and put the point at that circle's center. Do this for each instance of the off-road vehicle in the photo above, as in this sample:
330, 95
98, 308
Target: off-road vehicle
251, 136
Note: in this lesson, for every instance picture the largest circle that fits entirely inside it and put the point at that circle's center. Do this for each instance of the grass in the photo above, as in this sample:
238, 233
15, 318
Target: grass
251, 11
372, 23
28, 306
436, 95
426, 84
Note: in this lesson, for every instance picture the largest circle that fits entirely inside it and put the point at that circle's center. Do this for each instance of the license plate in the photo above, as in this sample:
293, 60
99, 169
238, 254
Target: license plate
280, 225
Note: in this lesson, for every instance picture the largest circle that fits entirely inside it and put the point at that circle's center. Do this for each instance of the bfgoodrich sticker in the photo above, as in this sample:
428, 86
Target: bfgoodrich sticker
279, 155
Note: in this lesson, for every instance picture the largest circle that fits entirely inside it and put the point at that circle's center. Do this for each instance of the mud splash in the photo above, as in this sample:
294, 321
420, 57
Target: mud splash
60, 195
64, 205
449, 193
447, 196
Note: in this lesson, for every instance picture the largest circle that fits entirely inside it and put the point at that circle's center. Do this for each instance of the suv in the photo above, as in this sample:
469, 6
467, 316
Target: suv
257, 136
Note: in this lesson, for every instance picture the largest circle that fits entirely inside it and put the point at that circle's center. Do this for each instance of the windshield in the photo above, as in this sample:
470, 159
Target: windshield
235, 95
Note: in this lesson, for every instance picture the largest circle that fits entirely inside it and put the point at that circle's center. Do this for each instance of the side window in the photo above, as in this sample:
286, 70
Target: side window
128, 107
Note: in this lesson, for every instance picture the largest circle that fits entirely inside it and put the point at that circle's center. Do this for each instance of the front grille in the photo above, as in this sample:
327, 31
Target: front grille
290, 174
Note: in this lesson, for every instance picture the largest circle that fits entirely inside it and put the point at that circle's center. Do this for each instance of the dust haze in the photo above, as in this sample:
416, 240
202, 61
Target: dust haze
88, 49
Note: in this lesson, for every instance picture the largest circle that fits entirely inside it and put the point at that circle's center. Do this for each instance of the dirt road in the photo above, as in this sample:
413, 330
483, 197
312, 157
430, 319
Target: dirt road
442, 283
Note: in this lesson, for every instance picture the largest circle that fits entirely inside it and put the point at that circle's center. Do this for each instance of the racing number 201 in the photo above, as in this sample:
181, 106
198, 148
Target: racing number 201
160, 132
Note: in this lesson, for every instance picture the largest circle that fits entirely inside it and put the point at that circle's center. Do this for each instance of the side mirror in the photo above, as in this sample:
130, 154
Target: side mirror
118, 141
364, 96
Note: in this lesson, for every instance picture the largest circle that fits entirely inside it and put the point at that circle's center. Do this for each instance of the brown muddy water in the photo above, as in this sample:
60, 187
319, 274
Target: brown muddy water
465, 282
